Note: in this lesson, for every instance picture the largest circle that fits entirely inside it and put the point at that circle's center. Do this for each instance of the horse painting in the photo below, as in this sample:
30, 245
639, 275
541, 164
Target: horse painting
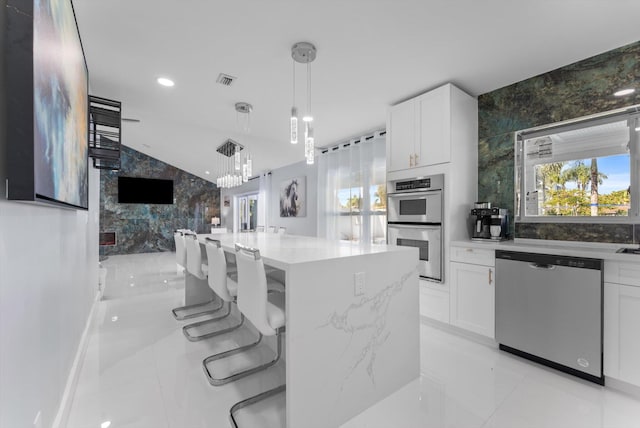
291, 198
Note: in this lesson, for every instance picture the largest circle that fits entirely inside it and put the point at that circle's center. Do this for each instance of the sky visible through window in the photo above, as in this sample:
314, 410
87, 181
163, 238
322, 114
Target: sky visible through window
617, 170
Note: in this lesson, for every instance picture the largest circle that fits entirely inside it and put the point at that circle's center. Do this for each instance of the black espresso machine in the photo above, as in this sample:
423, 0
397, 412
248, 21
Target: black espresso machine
488, 223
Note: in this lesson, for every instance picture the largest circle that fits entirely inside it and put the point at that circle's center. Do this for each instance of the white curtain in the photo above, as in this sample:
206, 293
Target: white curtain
352, 196
263, 200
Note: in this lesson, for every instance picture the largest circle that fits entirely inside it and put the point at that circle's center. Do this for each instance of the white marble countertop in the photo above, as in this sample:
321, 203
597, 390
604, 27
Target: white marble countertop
283, 250
562, 248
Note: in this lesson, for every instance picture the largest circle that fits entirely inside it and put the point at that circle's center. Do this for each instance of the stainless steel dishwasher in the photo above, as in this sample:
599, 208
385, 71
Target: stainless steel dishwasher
549, 310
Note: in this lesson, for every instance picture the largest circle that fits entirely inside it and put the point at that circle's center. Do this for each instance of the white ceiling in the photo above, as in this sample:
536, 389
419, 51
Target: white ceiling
371, 54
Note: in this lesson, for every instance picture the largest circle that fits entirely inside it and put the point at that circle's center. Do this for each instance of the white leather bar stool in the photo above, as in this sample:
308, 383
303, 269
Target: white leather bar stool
260, 229
263, 309
195, 268
181, 251
272, 229
223, 281
282, 230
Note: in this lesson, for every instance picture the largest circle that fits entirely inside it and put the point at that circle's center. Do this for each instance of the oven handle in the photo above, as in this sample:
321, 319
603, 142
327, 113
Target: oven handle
415, 226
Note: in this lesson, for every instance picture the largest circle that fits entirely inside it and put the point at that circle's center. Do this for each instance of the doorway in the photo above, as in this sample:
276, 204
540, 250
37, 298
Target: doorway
248, 212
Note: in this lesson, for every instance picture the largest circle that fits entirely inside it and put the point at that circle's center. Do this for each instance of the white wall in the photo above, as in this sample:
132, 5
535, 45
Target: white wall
295, 225
48, 281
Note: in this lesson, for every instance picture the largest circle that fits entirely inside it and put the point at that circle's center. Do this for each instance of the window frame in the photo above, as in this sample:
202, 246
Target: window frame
631, 115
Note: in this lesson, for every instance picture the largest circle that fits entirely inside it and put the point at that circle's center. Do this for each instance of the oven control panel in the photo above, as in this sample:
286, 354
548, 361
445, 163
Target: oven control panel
434, 182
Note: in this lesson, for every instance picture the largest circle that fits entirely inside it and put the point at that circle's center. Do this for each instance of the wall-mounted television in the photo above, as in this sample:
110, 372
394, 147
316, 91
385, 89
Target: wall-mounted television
134, 190
47, 97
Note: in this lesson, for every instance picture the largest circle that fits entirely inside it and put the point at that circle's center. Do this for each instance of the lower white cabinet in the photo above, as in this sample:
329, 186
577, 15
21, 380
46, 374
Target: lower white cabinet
434, 301
621, 337
472, 298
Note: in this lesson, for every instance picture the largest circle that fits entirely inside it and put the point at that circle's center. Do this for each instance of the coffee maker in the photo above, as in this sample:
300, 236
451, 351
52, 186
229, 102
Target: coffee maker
489, 223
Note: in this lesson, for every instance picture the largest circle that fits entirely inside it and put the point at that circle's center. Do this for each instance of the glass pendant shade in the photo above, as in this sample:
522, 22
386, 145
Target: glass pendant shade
237, 158
309, 146
294, 125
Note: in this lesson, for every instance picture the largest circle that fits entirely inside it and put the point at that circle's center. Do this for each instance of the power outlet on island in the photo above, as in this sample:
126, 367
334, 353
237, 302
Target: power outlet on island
358, 283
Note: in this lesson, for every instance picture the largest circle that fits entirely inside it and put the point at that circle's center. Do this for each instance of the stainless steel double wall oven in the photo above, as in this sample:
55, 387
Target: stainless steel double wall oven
414, 219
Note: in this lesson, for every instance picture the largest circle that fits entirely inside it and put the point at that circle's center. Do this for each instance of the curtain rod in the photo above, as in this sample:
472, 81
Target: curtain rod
354, 141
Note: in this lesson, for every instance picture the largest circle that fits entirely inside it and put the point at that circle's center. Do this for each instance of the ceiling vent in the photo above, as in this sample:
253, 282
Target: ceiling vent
225, 79
228, 148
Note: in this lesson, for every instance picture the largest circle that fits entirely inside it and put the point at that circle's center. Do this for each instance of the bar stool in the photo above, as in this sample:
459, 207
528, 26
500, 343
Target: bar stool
223, 281
194, 267
272, 229
265, 311
181, 252
260, 229
282, 230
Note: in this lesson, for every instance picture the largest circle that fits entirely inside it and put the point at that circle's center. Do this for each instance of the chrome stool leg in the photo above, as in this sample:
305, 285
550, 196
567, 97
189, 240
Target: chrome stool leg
192, 338
187, 308
222, 381
252, 400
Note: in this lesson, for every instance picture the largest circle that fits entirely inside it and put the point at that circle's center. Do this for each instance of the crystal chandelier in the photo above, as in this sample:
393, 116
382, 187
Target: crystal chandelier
303, 53
234, 167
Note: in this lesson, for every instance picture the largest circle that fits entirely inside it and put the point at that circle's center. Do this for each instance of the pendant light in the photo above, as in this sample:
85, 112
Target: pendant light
303, 53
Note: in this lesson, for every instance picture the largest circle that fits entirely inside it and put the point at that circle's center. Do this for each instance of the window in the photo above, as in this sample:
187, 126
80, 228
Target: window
584, 169
352, 191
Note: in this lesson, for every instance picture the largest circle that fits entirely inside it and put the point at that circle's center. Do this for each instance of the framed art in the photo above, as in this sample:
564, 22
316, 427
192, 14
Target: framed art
293, 197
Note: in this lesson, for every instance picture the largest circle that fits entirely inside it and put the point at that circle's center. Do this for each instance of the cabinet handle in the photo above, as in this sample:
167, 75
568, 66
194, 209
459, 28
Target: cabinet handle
410, 161
490, 279
415, 159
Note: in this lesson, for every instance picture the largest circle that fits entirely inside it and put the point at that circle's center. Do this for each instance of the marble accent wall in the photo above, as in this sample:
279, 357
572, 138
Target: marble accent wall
145, 228
579, 89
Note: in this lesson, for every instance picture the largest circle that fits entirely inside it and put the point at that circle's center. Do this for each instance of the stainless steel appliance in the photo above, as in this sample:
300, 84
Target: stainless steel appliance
549, 310
414, 219
489, 223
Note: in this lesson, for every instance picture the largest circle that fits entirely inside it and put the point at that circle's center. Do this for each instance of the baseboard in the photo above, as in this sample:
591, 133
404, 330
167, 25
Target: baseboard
72, 380
483, 340
624, 387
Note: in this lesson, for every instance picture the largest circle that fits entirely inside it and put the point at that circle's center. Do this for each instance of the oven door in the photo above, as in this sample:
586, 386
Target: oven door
428, 240
415, 207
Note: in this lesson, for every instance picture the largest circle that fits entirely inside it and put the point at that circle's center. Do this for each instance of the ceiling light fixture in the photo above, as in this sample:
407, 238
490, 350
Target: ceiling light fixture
233, 168
303, 53
623, 92
243, 116
165, 82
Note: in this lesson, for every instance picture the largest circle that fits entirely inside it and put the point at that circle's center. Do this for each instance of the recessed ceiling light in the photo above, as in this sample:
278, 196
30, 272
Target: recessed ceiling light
623, 92
165, 82
105, 424
207, 172
114, 318
307, 119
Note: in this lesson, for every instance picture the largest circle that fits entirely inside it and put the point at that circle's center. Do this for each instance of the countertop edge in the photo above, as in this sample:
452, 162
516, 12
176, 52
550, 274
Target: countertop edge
599, 251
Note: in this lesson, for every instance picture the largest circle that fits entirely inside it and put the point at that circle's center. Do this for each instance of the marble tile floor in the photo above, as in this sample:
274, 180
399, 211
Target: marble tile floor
139, 371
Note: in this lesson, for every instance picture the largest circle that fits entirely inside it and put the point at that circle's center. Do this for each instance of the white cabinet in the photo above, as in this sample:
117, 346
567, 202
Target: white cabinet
621, 322
472, 290
434, 301
419, 130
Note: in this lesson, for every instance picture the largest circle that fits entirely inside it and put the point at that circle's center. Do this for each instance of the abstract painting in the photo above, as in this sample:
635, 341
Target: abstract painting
60, 105
293, 201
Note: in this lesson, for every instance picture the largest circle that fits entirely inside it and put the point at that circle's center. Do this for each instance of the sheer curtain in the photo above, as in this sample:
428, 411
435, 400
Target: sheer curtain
352, 191
263, 200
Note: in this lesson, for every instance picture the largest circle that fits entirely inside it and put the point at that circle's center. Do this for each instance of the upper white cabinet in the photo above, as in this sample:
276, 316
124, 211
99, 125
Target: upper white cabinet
419, 130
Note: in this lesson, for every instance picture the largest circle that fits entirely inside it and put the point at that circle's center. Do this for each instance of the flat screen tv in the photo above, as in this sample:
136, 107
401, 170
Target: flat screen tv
133, 190
48, 113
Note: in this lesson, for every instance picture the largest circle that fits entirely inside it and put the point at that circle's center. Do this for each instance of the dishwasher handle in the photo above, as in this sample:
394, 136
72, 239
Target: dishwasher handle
544, 266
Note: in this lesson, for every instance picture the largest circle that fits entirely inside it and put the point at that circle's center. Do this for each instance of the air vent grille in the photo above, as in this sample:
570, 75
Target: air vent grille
225, 79
228, 148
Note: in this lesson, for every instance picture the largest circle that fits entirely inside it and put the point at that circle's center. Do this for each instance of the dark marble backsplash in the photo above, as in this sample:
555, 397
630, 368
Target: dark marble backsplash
145, 228
586, 232
576, 90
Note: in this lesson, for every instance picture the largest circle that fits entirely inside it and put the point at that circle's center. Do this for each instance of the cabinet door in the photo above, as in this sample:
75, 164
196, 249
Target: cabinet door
434, 303
621, 343
402, 134
434, 145
472, 298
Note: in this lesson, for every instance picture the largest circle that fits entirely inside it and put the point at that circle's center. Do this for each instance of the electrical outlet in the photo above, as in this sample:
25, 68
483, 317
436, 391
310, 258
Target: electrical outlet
358, 283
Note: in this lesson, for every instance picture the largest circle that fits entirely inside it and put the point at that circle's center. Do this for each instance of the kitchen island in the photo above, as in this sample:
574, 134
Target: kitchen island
352, 322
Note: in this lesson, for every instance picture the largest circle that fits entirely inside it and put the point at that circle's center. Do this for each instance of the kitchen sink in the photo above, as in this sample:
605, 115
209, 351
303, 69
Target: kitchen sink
629, 250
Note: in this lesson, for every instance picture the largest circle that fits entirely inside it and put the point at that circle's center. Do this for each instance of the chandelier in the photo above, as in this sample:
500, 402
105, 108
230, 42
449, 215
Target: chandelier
234, 168
303, 53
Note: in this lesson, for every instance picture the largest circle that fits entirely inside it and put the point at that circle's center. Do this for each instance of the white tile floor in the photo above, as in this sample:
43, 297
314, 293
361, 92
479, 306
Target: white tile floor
139, 371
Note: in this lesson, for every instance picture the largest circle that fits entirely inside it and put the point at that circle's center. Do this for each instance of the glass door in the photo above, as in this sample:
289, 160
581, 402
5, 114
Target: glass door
248, 212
